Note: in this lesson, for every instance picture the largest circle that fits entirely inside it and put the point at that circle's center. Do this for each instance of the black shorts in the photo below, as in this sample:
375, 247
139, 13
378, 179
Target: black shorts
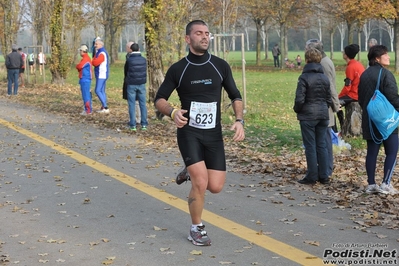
22, 70
31, 63
202, 145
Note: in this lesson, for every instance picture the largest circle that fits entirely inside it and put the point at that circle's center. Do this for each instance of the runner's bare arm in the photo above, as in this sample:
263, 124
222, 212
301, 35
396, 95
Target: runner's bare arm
238, 126
176, 114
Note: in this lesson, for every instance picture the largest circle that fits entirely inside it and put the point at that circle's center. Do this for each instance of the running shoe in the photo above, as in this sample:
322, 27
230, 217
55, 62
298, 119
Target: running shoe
143, 128
371, 189
389, 189
133, 129
85, 113
182, 176
199, 237
103, 111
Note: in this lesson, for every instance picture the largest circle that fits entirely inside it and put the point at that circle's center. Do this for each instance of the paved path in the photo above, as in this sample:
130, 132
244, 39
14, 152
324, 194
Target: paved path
75, 194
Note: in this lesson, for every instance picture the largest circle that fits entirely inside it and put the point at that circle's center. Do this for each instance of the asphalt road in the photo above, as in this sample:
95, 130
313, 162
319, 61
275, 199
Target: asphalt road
75, 194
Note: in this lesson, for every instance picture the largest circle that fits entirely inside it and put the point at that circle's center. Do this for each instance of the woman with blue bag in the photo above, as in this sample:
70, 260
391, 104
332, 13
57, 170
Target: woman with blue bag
378, 60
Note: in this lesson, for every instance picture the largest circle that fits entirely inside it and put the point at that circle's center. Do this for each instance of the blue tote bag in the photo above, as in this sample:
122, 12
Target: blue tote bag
382, 113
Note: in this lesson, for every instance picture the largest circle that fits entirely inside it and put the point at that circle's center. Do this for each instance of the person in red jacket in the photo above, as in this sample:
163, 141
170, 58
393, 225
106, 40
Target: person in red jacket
85, 76
354, 70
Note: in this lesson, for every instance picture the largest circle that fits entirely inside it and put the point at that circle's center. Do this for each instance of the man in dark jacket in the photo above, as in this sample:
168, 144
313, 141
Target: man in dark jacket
136, 77
13, 64
124, 88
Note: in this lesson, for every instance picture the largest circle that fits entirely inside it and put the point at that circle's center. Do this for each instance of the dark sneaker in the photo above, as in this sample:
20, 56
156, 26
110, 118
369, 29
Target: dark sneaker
324, 181
306, 181
182, 176
199, 237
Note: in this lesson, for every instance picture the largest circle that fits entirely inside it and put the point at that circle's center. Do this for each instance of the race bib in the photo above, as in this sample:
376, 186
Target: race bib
202, 115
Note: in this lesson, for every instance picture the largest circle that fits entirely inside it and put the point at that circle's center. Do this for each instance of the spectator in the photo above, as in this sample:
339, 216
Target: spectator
372, 42
41, 57
354, 70
312, 99
136, 77
85, 76
276, 52
288, 64
329, 71
32, 65
22, 69
124, 89
379, 59
298, 61
101, 71
13, 64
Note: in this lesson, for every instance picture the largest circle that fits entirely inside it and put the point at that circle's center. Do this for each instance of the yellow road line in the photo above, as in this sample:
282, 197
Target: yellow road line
266, 242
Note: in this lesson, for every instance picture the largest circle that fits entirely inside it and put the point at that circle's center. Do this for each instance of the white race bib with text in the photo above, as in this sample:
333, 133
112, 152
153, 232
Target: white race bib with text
203, 115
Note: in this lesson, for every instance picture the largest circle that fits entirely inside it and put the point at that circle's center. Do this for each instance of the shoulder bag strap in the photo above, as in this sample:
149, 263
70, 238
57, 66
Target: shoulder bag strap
379, 79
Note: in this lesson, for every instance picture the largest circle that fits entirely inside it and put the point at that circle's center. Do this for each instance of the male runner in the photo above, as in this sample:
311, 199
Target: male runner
198, 79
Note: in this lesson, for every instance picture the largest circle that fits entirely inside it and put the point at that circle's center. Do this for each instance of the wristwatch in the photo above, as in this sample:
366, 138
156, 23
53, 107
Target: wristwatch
241, 121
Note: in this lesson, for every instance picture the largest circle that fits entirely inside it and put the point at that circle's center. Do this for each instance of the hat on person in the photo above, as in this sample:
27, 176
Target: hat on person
352, 50
84, 48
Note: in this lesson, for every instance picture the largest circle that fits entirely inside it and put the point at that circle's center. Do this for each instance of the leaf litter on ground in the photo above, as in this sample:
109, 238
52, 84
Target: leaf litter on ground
348, 183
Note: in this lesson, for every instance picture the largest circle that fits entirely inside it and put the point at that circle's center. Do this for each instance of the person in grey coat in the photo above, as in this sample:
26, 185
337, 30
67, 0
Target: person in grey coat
276, 52
312, 99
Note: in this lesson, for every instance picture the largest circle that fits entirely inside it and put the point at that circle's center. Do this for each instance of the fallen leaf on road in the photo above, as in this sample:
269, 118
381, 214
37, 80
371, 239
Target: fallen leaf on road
312, 242
196, 252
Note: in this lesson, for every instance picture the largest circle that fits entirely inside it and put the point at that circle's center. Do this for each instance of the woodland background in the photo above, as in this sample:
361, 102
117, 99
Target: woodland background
60, 26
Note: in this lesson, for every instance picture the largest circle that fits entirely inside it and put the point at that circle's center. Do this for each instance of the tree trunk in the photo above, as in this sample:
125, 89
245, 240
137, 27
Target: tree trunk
60, 60
283, 46
153, 22
353, 120
332, 44
9, 15
396, 42
258, 23
266, 44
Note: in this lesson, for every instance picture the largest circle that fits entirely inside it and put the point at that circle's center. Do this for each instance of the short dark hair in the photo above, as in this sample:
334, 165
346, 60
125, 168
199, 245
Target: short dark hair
19, 49
194, 22
374, 52
134, 47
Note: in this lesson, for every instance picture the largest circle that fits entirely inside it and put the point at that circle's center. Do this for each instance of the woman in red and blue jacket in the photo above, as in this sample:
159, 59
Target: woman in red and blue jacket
85, 76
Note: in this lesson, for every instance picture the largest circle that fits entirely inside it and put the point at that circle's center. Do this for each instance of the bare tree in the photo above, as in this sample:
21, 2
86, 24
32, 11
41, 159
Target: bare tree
286, 14
11, 20
38, 15
114, 16
259, 13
